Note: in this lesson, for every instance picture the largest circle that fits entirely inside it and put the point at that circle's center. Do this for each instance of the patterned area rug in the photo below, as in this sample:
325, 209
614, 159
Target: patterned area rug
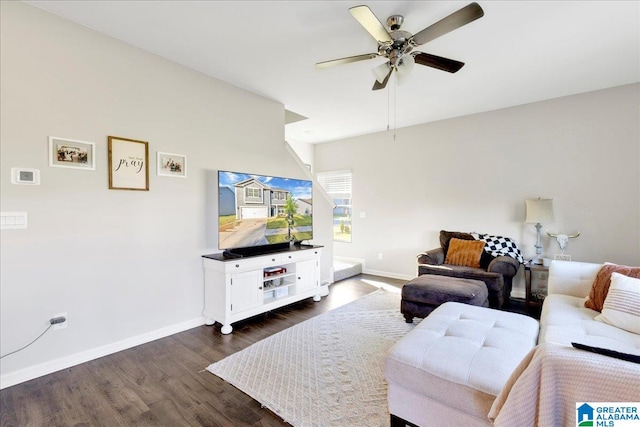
326, 371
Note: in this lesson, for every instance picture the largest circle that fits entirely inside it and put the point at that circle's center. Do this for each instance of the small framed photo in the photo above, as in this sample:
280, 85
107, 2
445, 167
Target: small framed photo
128, 164
71, 153
170, 164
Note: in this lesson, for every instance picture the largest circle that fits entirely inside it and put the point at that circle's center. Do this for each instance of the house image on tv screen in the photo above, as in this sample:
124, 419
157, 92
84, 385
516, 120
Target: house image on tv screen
257, 200
259, 210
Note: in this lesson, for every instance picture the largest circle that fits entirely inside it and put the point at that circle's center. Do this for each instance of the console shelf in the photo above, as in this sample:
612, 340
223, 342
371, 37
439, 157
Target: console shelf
238, 288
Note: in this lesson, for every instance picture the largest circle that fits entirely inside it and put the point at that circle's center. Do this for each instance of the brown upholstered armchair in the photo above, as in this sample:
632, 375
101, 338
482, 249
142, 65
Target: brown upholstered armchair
495, 271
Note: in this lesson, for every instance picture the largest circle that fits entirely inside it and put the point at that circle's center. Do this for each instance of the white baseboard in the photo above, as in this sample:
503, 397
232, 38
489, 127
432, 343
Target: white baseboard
388, 274
26, 374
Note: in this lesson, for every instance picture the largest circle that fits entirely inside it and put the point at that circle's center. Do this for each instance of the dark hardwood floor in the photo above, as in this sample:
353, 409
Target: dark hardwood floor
163, 383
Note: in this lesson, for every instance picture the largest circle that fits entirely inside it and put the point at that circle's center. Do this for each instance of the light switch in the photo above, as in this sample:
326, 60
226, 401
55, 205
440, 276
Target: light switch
13, 220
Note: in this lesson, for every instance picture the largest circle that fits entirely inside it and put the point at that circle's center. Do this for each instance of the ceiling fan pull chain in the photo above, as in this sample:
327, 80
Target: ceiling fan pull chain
395, 108
388, 108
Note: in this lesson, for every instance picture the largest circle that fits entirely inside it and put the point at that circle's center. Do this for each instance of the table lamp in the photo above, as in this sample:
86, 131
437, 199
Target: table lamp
539, 211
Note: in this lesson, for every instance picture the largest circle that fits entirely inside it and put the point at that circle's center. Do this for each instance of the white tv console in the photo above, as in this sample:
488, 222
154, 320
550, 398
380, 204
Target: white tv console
238, 288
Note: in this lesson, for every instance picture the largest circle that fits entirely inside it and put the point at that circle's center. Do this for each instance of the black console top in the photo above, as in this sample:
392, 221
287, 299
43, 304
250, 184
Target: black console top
260, 251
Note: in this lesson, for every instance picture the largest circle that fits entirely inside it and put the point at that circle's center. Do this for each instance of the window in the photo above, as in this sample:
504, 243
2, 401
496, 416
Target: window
252, 193
338, 186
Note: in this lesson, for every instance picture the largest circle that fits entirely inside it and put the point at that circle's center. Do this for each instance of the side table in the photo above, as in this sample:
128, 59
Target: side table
536, 277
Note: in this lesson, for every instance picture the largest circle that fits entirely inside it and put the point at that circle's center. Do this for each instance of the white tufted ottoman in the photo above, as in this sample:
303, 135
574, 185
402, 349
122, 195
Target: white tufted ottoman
450, 368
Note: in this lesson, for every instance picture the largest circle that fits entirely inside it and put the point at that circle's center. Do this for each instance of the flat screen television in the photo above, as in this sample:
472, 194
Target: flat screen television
258, 212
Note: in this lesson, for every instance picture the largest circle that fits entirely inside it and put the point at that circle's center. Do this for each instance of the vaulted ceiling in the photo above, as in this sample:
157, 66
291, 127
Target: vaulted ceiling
519, 52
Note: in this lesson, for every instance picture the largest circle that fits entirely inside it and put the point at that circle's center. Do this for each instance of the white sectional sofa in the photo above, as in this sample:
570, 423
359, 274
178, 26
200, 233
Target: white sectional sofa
542, 389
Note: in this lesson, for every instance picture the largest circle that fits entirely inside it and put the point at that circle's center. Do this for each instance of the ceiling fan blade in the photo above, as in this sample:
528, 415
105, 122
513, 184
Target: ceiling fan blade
348, 59
467, 14
377, 85
438, 62
368, 20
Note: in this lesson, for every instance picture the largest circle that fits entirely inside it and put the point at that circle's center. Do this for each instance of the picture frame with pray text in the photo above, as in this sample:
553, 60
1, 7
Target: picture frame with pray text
128, 164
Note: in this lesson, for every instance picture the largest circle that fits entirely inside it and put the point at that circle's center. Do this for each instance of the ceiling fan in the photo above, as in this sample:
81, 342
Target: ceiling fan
397, 45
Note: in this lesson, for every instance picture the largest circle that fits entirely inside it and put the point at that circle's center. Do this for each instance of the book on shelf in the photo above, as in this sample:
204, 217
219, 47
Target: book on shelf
272, 271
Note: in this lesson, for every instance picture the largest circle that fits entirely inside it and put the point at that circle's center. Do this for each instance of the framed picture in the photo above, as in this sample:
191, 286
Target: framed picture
170, 164
128, 164
70, 153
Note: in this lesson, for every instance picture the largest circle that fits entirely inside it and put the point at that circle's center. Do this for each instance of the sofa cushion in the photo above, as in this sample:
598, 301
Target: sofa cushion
464, 252
621, 308
571, 278
602, 281
565, 319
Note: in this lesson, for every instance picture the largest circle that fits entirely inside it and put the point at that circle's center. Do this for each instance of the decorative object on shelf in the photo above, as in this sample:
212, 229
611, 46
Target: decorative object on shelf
539, 211
71, 153
563, 239
169, 164
538, 296
128, 164
273, 283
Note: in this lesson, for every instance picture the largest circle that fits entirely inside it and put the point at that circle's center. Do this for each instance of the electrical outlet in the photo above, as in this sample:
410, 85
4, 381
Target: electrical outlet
62, 325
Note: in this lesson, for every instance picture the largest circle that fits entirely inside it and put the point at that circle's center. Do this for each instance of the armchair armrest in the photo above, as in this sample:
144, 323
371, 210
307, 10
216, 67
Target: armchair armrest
432, 257
504, 265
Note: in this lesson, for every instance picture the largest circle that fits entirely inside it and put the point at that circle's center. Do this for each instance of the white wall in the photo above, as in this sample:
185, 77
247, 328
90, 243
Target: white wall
474, 173
125, 265
304, 151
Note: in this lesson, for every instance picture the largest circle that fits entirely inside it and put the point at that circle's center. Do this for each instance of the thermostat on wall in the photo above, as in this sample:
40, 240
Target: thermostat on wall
25, 176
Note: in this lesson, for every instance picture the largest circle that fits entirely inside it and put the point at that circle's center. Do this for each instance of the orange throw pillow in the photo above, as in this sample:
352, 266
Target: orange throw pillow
464, 252
600, 287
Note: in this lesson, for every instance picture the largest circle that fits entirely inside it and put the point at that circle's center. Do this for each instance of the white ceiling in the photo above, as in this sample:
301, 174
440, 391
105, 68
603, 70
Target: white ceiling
519, 52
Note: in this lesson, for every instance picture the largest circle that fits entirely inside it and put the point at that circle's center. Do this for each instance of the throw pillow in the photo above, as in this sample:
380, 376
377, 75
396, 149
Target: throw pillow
621, 308
464, 252
600, 285
446, 236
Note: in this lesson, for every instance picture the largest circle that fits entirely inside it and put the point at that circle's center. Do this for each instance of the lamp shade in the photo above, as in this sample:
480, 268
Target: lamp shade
539, 211
404, 68
381, 72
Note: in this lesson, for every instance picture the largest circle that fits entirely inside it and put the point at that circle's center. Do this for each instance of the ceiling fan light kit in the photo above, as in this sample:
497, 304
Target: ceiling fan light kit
397, 45
404, 68
380, 72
